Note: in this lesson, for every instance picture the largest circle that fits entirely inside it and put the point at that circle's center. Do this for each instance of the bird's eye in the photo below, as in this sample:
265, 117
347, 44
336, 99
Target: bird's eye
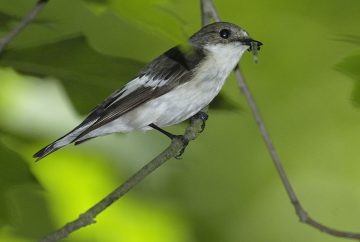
224, 33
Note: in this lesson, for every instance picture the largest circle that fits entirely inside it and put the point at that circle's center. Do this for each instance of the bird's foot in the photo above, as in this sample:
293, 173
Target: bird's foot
184, 142
182, 139
203, 116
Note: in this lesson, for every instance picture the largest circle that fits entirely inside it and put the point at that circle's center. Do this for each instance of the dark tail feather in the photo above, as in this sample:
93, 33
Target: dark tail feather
65, 140
68, 138
45, 151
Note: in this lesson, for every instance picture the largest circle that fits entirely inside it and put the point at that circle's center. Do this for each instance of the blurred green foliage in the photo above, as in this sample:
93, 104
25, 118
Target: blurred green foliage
225, 188
21, 197
351, 67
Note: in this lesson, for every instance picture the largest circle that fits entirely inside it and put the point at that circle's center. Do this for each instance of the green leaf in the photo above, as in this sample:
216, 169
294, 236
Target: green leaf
352, 39
156, 15
108, 33
5, 19
87, 75
350, 67
21, 197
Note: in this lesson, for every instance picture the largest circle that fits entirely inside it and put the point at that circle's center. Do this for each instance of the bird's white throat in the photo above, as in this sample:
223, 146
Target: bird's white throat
225, 56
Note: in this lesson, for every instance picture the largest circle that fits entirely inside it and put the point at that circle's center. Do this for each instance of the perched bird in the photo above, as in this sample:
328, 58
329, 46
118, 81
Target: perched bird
170, 89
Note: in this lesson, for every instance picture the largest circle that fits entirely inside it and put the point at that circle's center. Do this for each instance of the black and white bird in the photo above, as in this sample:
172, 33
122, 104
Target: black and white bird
170, 89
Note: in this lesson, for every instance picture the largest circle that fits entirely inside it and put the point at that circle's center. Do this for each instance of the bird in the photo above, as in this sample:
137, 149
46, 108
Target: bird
169, 90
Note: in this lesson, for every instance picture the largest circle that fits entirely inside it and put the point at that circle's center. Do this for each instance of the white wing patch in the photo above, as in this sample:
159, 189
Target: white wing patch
146, 81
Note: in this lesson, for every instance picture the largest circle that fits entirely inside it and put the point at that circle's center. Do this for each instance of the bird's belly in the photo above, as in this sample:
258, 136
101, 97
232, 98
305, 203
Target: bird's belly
184, 101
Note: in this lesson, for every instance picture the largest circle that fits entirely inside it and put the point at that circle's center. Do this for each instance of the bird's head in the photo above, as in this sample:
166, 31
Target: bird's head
222, 36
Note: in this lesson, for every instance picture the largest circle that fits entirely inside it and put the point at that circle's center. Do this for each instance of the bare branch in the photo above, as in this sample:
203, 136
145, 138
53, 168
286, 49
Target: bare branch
302, 214
24, 22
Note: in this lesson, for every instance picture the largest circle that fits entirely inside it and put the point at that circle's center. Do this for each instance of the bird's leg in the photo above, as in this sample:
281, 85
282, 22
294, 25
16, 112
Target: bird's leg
168, 134
184, 141
203, 116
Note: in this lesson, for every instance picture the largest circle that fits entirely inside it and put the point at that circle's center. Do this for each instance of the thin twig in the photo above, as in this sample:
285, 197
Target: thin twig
206, 13
24, 22
209, 12
302, 214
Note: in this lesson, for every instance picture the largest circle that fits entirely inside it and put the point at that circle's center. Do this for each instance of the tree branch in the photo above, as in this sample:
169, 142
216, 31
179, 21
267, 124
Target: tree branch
300, 211
4, 41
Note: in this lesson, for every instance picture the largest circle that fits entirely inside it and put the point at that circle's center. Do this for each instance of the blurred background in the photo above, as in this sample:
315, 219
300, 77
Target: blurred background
307, 85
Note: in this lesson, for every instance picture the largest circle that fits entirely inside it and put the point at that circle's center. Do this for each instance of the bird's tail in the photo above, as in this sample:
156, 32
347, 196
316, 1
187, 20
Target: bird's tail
68, 138
54, 146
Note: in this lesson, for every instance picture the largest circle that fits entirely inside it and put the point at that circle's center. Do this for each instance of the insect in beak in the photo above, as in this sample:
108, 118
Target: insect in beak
254, 47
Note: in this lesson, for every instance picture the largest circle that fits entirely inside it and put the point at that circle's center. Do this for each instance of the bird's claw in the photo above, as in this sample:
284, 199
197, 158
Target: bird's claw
203, 116
200, 115
184, 142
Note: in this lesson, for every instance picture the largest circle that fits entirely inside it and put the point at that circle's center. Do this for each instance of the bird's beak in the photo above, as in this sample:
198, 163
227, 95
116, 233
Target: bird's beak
253, 44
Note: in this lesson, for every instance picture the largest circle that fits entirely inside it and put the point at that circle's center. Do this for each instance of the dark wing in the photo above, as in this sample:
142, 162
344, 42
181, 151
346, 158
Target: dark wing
163, 74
